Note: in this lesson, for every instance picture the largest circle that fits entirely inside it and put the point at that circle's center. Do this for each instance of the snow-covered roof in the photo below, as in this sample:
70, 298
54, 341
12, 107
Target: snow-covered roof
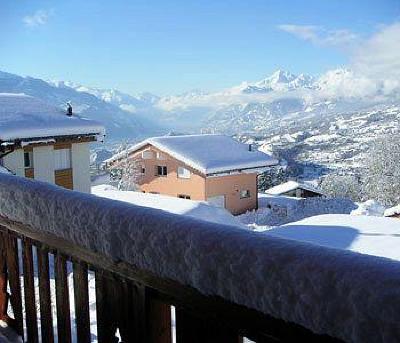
291, 186
369, 235
25, 117
4, 170
197, 209
369, 208
392, 211
209, 154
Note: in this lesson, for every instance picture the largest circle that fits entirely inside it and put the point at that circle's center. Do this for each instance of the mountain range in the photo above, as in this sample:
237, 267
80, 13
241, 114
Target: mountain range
277, 101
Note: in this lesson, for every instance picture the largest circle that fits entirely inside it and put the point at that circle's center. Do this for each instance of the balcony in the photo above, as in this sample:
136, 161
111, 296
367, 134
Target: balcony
224, 283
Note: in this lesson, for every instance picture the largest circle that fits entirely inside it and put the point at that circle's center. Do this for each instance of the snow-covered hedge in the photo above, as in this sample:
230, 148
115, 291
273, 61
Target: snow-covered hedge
279, 210
351, 296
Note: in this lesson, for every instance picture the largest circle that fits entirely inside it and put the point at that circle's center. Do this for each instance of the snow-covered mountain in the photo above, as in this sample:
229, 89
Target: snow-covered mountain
127, 102
278, 81
282, 100
119, 123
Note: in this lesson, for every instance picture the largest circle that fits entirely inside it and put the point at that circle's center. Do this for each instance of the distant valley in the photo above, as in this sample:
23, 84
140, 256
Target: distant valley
323, 122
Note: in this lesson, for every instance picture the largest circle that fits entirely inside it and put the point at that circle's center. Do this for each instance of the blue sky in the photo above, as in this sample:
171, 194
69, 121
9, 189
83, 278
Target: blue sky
168, 47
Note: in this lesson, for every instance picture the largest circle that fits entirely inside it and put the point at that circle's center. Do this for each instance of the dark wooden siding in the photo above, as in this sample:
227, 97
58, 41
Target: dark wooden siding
63, 178
29, 172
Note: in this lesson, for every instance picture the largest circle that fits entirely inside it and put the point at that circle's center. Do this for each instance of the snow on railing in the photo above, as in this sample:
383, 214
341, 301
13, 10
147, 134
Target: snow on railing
346, 295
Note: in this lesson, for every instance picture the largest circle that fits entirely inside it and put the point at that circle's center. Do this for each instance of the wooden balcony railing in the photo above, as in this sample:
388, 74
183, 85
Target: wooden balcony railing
223, 282
135, 302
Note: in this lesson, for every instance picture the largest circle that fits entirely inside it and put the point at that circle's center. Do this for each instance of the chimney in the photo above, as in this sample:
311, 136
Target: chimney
250, 147
69, 110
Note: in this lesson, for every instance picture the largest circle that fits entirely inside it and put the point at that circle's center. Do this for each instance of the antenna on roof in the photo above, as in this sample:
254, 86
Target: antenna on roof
69, 109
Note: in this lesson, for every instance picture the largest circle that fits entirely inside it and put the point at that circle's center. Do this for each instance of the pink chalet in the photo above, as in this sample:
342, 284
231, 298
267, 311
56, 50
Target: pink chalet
213, 168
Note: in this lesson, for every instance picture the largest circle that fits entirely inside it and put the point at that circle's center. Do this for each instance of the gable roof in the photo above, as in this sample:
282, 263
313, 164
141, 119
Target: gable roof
291, 186
209, 154
23, 116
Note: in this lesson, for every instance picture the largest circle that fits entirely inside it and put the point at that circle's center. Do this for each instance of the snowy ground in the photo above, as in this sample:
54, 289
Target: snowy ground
197, 209
370, 235
278, 210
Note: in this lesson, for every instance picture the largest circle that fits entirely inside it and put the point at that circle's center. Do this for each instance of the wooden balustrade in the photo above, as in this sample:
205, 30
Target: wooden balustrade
135, 302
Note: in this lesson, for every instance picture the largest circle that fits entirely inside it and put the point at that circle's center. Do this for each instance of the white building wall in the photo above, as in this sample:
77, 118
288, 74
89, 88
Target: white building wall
80, 155
15, 162
43, 163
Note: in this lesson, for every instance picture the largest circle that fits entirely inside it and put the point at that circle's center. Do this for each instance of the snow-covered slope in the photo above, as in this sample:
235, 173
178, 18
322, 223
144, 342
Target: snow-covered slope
197, 209
369, 235
113, 96
23, 116
119, 123
279, 81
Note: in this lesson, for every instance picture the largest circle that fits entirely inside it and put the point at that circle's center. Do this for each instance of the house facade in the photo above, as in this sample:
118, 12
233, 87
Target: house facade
211, 168
44, 143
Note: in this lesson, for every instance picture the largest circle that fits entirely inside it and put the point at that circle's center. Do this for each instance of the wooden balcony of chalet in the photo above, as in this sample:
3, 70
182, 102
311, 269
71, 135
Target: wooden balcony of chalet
224, 283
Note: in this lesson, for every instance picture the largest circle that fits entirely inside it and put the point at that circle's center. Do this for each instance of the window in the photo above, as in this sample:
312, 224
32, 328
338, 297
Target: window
147, 155
160, 156
28, 159
143, 170
184, 196
183, 173
62, 159
161, 171
244, 194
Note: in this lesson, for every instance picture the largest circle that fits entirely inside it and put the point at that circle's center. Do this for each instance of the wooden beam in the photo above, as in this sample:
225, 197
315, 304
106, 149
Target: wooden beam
14, 281
46, 317
62, 299
29, 290
81, 296
3, 280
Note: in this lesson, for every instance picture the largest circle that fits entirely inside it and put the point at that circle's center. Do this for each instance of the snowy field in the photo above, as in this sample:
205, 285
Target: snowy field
196, 209
278, 210
369, 235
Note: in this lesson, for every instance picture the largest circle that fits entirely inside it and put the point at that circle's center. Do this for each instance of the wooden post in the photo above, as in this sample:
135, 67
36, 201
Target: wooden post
3, 281
15, 282
81, 295
62, 300
46, 317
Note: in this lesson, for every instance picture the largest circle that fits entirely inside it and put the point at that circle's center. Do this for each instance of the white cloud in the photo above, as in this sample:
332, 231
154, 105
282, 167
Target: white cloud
40, 17
379, 56
321, 36
305, 32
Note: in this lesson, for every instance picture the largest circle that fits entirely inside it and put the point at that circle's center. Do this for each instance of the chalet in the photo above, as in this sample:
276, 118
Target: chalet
214, 168
393, 212
44, 143
295, 189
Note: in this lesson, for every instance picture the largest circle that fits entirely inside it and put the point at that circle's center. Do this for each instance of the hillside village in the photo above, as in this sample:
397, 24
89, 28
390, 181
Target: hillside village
211, 170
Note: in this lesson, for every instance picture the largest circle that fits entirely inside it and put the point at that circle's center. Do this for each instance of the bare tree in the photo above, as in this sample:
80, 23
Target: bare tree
342, 186
130, 170
382, 178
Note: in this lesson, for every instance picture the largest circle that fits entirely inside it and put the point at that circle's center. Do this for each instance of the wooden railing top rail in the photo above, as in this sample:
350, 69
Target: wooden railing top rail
247, 280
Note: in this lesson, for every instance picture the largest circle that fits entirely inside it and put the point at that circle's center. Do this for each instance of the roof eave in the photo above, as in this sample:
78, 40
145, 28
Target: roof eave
239, 170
